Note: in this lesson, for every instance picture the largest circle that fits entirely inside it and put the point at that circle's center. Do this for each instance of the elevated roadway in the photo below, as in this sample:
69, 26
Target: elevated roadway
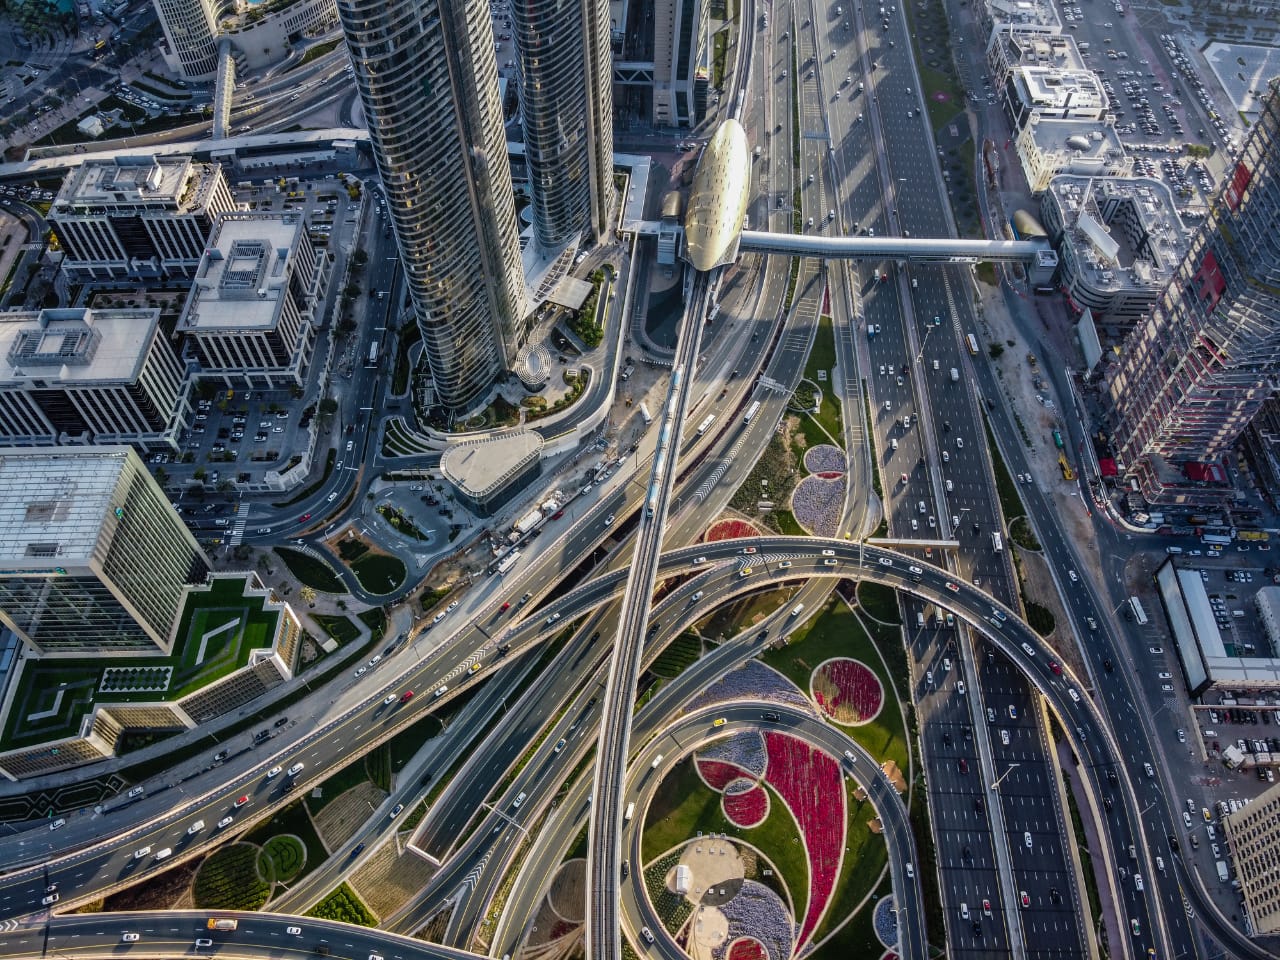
86, 873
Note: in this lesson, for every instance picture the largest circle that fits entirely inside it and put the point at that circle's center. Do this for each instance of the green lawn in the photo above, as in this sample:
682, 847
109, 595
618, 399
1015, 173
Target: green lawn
838, 633
344, 906
282, 859
311, 572
228, 625
879, 601
683, 805
823, 358
409, 741
375, 620
354, 773
787, 523
292, 821
228, 880
683, 651
379, 573
857, 938
1010, 500
338, 626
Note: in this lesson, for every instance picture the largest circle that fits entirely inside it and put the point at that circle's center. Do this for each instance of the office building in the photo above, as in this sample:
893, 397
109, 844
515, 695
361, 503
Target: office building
1010, 47
249, 318
1119, 241
429, 84
487, 473
565, 67
1053, 94
253, 33
1252, 834
90, 376
1047, 147
137, 217
1196, 371
93, 557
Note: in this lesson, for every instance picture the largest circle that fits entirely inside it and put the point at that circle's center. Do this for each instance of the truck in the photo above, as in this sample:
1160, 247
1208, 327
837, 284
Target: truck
644, 412
955, 375
529, 522
222, 923
627, 371
1221, 866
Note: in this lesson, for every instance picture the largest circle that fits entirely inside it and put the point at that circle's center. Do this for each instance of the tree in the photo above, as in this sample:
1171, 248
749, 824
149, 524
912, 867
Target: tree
328, 407
308, 595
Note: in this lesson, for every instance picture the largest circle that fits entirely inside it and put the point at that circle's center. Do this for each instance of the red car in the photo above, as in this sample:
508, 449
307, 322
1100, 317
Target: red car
242, 801
557, 515
1026, 901
304, 518
407, 696
505, 607
954, 588
1053, 665
964, 765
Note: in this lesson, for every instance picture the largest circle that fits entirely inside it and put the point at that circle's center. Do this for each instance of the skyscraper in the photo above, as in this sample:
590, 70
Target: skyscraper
1199, 367
429, 83
566, 99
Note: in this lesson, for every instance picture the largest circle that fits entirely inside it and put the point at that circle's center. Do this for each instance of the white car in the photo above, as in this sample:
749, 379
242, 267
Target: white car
226, 822
293, 931
129, 938
195, 828
296, 769
1026, 838
274, 772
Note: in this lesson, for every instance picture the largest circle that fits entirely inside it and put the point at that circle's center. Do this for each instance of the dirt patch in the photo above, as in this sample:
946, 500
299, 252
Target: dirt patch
168, 891
568, 893
339, 820
548, 927
389, 878
1040, 589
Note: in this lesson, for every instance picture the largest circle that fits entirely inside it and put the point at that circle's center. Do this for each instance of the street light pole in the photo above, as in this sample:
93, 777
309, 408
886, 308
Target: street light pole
1000, 779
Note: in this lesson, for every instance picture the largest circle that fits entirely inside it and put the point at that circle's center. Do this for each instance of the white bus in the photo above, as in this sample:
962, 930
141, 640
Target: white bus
1139, 614
507, 562
751, 411
631, 811
705, 425
996, 543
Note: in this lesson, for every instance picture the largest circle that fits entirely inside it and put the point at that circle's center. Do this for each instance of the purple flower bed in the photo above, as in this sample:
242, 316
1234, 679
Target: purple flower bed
825, 458
744, 749
741, 785
752, 681
885, 921
817, 504
760, 913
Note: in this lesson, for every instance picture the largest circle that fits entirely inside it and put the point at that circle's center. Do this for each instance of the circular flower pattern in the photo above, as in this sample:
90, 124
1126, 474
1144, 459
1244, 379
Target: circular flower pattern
848, 691
746, 809
825, 458
817, 504
746, 948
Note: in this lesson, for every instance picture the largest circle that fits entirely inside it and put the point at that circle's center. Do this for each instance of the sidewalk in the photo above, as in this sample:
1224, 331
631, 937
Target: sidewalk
1110, 919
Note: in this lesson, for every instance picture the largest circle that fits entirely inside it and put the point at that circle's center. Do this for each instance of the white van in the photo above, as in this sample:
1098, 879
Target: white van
656, 760
797, 609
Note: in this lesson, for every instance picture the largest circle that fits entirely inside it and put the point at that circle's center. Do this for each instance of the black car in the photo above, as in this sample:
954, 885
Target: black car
359, 848
282, 721
770, 716
221, 755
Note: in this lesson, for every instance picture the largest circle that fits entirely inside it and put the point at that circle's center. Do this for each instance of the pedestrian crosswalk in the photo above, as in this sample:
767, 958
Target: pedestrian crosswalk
237, 527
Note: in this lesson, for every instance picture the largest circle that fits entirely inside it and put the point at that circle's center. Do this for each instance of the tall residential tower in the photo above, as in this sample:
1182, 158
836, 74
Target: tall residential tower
565, 67
1199, 367
428, 79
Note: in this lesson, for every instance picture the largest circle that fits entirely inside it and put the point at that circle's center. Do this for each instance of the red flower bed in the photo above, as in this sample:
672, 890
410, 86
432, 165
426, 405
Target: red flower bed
746, 809
847, 690
730, 530
810, 784
831, 474
719, 774
746, 948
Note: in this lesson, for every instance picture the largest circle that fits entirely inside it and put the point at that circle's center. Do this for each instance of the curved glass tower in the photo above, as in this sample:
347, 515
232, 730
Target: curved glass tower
428, 79
566, 98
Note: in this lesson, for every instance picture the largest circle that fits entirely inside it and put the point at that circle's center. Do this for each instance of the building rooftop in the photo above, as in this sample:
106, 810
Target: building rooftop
1050, 90
75, 346
1090, 140
718, 200
243, 276
1144, 251
53, 502
1022, 48
1029, 14
161, 182
480, 467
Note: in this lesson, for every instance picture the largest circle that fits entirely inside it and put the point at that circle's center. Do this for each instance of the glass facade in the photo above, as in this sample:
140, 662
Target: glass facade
428, 79
1199, 367
566, 107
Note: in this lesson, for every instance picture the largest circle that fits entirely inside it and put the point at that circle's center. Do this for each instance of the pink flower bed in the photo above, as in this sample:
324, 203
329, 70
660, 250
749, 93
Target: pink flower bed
717, 774
848, 691
746, 809
746, 948
730, 530
810, 784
